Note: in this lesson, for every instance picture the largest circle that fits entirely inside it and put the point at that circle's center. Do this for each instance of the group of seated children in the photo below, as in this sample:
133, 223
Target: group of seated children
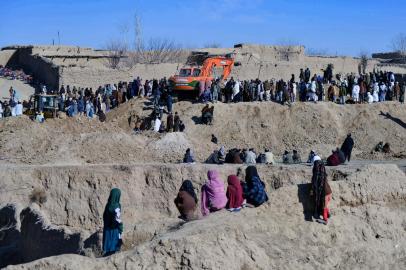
240, 156
248, 193
214, 197
293, 158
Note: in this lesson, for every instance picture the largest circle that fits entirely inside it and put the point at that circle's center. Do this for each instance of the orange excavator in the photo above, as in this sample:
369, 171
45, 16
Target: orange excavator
201, 67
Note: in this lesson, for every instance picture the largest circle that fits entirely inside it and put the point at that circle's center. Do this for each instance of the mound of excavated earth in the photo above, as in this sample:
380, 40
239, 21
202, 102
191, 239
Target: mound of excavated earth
303, 126
56, 177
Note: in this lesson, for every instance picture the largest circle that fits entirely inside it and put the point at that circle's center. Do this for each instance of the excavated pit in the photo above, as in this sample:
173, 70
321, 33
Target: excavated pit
73, 163
70, 221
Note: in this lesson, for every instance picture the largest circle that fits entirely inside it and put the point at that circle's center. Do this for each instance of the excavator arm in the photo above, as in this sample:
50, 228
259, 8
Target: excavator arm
212, 62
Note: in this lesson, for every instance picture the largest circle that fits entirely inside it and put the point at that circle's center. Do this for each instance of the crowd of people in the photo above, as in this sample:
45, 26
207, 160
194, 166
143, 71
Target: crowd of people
86, 102
250, 156
12, 107
366, 88
12, 74
214, 197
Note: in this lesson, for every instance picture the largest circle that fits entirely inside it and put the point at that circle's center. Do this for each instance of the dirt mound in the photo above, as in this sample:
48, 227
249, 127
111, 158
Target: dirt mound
76, 161
366, 212
171, 144
303, 126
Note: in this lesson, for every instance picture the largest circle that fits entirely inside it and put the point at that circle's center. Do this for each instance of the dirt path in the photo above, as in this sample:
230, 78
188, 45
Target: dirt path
24, 90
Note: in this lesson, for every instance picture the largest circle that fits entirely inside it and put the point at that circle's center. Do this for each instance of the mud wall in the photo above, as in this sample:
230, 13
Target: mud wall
9, 235
30, 236
43, 70
388, 56
40, 239
95, 77
148, 192
5, 56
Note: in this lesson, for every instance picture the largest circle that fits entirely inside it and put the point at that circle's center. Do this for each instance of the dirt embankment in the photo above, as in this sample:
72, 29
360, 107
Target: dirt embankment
77, 161
304, 126
367, 228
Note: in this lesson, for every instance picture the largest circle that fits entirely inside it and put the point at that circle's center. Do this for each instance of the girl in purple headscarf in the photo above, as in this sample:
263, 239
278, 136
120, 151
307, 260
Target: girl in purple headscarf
213, 195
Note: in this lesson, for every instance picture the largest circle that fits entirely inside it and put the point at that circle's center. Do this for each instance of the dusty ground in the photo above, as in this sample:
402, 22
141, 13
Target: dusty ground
24, 90
77, 161
304, 126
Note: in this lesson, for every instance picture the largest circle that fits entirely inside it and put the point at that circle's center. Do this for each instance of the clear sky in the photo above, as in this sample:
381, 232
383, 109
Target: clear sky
340, 26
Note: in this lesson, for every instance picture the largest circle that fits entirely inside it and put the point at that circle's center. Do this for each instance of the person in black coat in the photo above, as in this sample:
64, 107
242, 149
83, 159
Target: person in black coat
214, 139
347, 147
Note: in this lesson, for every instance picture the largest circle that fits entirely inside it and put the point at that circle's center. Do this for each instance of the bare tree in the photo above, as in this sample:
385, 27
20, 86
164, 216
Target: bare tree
363, 62
138, 41
156, 50
285, 52
161, 50
286, 48
117, 50
124, 30
399, 43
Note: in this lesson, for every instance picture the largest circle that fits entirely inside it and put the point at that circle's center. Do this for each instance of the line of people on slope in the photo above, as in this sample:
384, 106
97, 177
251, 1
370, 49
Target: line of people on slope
214, 197
364, 88
249, 156
235, 156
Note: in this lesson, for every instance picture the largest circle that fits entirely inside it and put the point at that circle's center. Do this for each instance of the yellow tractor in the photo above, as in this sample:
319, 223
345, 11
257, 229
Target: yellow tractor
48, 104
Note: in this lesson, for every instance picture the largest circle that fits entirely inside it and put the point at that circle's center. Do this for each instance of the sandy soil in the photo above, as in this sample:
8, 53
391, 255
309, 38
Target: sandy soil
304, 126
77, 161
23, 89
367, 229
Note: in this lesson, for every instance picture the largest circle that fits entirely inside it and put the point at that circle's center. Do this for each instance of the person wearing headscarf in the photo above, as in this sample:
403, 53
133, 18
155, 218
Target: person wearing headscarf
251, 157
269, 157
169, 123
222, 153
320, 191
347, 146
214, 139
334, 159
113, 226
188, 158
234, 194
176, 122
213, 197
236, 157
296, 157
186, 201
253, 188
313, 156
287, 158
